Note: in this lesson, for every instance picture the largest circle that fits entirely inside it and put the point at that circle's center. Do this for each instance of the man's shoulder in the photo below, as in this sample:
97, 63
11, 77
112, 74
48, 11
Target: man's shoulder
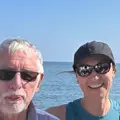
41, 114
38, 114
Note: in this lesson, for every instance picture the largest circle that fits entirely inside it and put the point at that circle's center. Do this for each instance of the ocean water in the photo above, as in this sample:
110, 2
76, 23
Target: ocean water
57, 89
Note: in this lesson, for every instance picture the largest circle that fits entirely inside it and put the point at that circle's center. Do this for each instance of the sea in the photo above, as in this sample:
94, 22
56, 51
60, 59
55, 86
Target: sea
60, 88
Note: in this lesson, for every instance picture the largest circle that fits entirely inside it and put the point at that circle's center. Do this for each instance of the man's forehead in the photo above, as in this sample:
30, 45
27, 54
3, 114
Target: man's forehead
19, 64
17, 57
20, 53
25, 59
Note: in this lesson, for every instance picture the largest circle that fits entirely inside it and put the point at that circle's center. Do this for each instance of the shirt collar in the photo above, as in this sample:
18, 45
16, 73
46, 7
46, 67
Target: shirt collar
31, 112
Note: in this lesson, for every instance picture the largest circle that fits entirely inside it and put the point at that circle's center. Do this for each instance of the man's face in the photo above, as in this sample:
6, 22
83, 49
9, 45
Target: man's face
16, 93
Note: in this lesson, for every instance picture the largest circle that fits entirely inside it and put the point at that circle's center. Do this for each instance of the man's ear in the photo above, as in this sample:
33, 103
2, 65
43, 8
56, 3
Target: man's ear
42, 76
38, 86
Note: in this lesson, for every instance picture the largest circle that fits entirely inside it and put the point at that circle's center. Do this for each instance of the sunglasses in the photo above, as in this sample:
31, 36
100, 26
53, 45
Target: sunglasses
86, 70
7, 75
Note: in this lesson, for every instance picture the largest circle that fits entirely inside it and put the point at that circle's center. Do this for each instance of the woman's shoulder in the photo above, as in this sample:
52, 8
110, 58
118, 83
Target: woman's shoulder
61, 110
74, 103
58, 111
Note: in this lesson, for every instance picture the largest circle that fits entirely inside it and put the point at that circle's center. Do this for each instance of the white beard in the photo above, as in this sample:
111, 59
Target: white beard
11, 107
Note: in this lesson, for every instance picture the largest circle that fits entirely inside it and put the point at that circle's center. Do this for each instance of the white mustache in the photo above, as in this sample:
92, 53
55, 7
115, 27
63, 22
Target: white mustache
9, 93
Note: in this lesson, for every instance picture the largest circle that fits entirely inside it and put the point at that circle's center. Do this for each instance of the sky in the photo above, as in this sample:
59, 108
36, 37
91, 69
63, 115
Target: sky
59, 27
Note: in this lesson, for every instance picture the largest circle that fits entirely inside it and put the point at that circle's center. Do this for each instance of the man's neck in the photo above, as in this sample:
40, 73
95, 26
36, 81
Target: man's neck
95, 107
16, 116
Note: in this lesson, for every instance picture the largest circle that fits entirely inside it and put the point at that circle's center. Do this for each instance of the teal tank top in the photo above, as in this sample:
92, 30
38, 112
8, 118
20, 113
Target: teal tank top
74, 111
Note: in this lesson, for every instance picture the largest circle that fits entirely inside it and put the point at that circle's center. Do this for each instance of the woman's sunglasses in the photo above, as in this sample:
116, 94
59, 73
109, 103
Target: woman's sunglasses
86, 70
7, 75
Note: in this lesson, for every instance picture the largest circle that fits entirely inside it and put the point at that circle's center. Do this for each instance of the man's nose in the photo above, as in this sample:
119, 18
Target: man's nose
16, 82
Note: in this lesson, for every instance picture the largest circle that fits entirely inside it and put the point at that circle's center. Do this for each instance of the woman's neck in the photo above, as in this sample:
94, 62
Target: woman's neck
95, 107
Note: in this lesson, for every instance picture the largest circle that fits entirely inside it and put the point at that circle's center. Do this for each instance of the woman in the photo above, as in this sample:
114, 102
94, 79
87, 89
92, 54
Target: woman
94, 67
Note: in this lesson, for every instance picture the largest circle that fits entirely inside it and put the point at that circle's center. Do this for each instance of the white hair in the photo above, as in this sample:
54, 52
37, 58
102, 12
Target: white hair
15, 44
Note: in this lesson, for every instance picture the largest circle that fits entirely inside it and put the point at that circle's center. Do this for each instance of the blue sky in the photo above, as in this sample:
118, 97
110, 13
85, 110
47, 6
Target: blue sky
59, 27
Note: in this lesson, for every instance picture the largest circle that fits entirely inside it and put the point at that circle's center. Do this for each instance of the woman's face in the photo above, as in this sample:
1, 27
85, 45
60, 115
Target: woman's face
94, 84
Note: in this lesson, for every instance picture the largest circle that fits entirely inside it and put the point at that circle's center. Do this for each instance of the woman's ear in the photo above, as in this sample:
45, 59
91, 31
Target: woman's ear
76, 77
113, 74
114, 71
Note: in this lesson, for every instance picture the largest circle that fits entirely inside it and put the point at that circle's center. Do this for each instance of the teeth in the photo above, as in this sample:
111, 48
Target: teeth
96, 86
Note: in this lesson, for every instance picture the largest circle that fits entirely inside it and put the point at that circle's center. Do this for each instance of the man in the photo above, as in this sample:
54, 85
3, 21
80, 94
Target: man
21, 72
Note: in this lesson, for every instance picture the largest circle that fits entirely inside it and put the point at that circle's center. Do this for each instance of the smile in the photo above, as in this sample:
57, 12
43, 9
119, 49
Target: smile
96, 86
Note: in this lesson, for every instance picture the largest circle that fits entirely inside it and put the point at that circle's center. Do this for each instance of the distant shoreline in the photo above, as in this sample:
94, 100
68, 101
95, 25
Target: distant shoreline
62, 62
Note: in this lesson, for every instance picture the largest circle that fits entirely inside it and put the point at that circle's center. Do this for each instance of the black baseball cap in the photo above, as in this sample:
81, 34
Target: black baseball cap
93, 48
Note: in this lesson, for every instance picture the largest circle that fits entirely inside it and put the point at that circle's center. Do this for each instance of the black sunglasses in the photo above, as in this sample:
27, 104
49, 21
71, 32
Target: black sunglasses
7, 75
86, 70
